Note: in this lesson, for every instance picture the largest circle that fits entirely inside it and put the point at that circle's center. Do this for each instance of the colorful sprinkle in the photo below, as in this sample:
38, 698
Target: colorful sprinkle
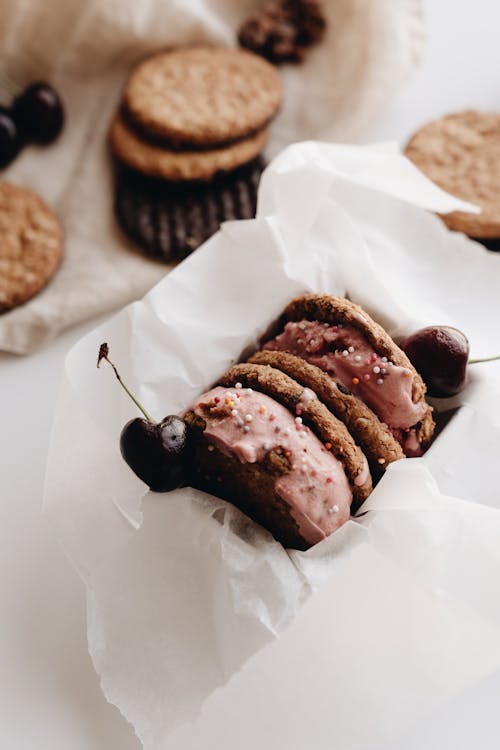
246, 428
376, 370
234, 412
272, 417
267, 446
238, 385
211, 448
329, 480
351, 349
357, 358
355, 381
333, 509
373, 357
248, 418
298, 420
262, 409
277, 428
345, 353
328, 446
381, 460
298, 410
216, 399
380, 381
366, 377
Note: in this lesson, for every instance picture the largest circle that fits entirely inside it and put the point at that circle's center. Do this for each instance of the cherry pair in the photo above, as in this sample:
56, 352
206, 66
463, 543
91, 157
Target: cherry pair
35, 116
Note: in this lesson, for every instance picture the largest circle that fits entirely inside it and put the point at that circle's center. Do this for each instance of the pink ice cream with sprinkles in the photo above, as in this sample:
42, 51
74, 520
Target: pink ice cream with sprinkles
248, 424
345, 354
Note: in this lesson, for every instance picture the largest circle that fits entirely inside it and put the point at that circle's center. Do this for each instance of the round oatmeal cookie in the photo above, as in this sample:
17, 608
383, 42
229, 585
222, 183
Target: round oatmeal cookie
461, 154
159, 161
31, 245
203, 96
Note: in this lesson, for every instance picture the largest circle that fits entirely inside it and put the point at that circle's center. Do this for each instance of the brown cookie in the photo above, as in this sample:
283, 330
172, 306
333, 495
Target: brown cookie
373, 437
461, 154
282, 30
313, 413
31, 245
326, 308
169, 220
156, 160
203, 96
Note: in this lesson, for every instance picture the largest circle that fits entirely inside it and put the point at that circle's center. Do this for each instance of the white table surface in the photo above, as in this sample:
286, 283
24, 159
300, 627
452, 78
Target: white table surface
49, 693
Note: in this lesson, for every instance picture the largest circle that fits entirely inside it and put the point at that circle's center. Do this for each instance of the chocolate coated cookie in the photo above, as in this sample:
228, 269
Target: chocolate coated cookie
169, 220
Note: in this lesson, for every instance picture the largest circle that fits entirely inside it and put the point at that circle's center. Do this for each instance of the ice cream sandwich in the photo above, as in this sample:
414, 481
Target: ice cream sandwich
339, 337
373, 437
269, 445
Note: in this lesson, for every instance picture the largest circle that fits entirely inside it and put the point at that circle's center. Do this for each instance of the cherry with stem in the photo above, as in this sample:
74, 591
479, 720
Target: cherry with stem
157, 452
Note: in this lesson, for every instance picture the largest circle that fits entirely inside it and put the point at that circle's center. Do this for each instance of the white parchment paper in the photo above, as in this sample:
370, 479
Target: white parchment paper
401, 605
87, 49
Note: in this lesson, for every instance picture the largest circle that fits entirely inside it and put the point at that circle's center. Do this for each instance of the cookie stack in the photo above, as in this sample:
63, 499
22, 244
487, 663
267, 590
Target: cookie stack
297, 435
188, 139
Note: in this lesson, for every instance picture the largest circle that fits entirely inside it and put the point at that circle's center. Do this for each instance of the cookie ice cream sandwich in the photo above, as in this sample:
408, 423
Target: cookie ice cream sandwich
269, 445
339, 337
373, 437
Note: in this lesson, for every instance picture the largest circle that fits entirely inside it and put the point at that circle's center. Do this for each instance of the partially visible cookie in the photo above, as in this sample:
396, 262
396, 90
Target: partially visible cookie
282, 30
461, 154
158, 160
203, 96
31, 245
169, 220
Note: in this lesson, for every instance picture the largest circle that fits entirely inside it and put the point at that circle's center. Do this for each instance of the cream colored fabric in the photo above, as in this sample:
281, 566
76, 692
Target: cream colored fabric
86, 50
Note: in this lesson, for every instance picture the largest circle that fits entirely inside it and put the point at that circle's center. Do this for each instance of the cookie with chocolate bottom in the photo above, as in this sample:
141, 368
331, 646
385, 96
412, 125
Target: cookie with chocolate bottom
169, 220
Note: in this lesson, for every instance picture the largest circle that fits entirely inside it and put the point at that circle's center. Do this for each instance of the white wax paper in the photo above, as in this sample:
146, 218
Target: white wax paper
87, 49
379, 623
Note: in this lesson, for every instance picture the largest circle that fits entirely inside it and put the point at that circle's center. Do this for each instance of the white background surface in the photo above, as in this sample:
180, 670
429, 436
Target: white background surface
49, 693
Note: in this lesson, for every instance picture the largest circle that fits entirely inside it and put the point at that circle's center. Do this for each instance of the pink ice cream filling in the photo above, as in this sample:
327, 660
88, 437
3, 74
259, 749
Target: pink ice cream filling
248, 424
344, 353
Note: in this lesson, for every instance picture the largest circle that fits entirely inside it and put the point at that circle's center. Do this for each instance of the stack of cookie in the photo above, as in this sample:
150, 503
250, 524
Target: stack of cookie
188, 139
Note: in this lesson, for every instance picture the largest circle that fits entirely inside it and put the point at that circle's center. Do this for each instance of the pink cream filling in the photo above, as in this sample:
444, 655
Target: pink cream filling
343, 352
248, 424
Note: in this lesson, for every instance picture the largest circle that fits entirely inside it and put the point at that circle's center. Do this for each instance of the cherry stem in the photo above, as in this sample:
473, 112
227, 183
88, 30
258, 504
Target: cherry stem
103, 354
486, 359
8, 84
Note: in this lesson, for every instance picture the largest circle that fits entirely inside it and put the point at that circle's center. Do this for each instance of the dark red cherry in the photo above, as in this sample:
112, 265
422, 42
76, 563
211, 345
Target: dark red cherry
157, 453
440, 354
38, 113
9, 140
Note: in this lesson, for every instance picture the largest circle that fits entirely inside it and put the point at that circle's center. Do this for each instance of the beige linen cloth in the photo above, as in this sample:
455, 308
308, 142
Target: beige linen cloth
86, 50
